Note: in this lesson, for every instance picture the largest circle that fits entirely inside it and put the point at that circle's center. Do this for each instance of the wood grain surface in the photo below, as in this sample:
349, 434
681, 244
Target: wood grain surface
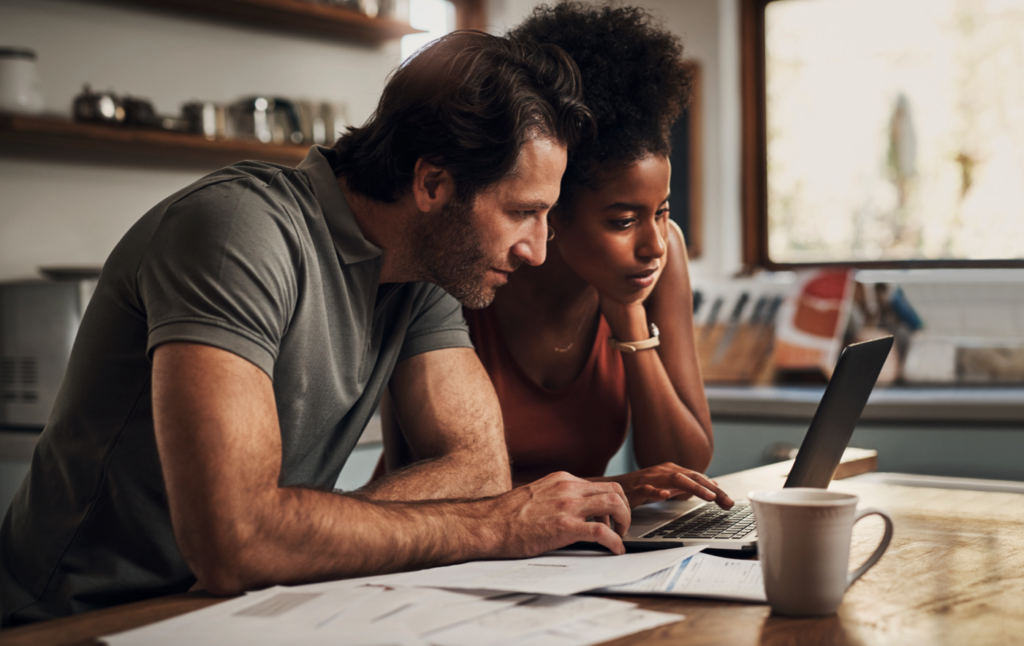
954, 574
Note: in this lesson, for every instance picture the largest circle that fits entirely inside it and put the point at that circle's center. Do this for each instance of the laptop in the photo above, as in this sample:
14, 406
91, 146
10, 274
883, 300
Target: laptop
697, 522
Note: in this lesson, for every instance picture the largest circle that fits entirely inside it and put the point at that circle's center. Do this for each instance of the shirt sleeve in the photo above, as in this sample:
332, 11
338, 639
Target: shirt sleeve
220, 270
437, 323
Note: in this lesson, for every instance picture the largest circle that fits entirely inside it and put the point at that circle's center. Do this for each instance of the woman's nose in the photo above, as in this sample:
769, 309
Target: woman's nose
652, 243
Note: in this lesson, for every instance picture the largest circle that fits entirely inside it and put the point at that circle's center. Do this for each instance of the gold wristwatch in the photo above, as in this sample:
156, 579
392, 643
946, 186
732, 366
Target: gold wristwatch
637, 346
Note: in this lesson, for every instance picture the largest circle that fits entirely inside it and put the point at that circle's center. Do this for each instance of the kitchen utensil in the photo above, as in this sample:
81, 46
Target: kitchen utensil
266, 119
98, 107
139, 112
206, 118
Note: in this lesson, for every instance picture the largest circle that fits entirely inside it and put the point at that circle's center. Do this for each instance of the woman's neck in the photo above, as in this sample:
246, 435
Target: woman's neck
548, 317
552, 291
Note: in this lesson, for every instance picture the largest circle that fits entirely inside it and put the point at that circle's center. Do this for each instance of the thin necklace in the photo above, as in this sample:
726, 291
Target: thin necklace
575, 334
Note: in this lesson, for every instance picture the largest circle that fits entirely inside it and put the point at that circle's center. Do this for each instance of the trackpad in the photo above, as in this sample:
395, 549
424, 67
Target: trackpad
647, 517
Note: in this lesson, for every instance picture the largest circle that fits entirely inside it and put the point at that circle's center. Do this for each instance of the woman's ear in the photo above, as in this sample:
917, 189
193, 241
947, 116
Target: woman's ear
432, 186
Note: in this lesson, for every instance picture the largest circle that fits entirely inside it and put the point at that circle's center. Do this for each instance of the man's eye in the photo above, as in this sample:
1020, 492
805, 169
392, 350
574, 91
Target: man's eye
524, 214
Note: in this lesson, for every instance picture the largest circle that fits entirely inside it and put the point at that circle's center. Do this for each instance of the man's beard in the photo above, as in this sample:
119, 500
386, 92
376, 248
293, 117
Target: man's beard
452, 254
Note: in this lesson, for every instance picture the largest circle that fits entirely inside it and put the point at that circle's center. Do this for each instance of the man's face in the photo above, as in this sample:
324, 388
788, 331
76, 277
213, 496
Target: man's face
470, 249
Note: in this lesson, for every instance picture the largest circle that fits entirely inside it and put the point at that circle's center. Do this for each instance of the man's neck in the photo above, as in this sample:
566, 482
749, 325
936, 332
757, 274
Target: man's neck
386, 225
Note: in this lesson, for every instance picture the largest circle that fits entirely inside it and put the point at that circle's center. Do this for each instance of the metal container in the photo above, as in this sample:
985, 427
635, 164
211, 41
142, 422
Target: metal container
38, 323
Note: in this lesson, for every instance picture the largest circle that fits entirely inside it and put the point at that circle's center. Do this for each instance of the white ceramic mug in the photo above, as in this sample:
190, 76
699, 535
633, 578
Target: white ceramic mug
803, 542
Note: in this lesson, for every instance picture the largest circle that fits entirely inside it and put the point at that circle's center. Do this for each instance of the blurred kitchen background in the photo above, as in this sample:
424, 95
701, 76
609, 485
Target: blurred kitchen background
848, 169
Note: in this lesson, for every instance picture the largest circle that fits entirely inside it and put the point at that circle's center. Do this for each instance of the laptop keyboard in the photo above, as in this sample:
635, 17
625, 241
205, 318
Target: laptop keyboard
712, 522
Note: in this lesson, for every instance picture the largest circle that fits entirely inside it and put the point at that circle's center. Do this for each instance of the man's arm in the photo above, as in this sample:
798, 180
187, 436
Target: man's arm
220, 450
450, 421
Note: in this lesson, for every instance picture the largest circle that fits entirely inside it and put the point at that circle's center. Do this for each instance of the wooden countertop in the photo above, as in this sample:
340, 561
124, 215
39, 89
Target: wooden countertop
954, 574
990, 404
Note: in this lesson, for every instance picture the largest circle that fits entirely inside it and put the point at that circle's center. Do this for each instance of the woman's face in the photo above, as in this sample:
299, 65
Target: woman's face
615, 238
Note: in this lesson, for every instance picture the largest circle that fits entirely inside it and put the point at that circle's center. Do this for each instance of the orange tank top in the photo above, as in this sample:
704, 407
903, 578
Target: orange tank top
577, 429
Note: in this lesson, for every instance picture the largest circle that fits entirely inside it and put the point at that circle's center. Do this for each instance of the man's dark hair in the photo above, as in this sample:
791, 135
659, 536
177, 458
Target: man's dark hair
467, 103
634, 81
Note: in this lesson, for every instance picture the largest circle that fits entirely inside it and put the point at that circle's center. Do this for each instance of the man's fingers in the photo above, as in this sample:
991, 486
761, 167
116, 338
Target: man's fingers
607, 505
602, 489
600, 533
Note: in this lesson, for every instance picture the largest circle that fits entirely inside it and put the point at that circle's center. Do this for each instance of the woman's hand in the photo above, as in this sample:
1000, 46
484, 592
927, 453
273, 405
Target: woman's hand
668, 480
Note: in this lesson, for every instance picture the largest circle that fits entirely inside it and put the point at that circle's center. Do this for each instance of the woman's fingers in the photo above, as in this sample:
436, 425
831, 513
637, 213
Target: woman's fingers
713, 491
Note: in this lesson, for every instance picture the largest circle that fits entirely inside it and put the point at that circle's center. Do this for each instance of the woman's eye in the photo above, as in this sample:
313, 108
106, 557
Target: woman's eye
661, 214
624, 223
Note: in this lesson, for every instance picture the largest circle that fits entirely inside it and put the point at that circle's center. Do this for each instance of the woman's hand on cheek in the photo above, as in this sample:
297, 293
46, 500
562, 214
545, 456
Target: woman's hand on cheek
628, 321
624, 311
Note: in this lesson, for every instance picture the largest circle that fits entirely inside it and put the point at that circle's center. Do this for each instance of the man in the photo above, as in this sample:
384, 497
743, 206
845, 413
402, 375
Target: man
244, 330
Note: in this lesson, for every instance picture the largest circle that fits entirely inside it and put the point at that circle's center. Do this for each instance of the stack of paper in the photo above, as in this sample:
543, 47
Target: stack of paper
368, 615
486, 603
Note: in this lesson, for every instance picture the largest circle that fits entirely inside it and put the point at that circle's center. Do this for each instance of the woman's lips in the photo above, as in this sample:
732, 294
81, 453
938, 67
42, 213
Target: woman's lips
643, 279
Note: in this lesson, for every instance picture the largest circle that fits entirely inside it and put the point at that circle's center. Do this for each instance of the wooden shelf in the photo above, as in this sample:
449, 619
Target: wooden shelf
300, 16
52, 136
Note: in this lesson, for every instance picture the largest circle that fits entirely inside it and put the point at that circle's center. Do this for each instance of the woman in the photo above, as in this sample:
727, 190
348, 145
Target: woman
573, 346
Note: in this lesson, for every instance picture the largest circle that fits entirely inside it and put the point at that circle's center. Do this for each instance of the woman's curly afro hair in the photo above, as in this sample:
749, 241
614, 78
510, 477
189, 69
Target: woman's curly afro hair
634, 80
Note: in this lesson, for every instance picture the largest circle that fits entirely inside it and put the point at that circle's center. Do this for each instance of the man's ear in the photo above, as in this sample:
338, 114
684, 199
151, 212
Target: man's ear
432, 186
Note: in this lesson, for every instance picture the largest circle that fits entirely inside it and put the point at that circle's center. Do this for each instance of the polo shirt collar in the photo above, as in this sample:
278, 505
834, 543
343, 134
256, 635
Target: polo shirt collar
348, 239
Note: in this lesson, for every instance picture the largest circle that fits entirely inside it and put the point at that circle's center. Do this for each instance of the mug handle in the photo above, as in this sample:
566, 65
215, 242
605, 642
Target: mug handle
859, 572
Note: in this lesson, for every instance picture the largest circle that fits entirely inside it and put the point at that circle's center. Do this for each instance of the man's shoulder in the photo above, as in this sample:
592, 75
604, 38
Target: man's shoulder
260, 183
257, 200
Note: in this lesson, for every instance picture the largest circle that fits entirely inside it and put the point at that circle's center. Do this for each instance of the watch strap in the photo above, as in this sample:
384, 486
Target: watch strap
637, 346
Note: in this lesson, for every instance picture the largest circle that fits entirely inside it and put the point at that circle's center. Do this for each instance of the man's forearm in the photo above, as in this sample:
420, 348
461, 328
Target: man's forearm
458, 475
295, 535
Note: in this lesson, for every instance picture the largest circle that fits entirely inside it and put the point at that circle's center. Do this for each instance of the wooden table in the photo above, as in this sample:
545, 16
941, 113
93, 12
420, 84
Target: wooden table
954, 574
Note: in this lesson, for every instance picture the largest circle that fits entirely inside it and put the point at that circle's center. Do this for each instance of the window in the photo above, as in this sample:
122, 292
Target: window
884, 132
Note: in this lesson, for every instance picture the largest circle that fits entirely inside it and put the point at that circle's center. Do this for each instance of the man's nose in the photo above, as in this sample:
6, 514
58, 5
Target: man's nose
532, 248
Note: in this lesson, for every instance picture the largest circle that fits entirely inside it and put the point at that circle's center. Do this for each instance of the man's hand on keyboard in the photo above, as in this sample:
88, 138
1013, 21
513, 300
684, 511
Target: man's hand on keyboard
668, 480
555, 511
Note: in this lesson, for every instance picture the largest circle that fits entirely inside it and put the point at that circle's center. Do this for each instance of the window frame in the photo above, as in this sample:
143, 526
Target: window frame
470, 14
754, 165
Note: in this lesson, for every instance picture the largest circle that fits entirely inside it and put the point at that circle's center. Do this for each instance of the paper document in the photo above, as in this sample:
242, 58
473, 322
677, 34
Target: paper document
598, 630
702, 575
541, 613
548, 574
276, 616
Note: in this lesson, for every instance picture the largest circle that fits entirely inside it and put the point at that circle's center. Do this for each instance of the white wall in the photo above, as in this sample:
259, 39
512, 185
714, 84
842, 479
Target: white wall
710, 33
54, 213
71, 213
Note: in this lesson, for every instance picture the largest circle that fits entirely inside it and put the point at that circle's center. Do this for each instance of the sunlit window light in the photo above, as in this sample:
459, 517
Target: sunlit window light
895, 129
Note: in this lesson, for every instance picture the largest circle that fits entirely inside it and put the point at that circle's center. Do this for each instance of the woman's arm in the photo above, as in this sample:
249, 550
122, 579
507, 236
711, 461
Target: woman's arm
671, 419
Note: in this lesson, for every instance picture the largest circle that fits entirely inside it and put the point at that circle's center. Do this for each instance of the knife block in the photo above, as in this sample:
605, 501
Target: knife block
741, 359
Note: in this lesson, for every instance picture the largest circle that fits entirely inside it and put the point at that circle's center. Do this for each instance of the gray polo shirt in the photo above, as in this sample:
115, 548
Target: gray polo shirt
260, 260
